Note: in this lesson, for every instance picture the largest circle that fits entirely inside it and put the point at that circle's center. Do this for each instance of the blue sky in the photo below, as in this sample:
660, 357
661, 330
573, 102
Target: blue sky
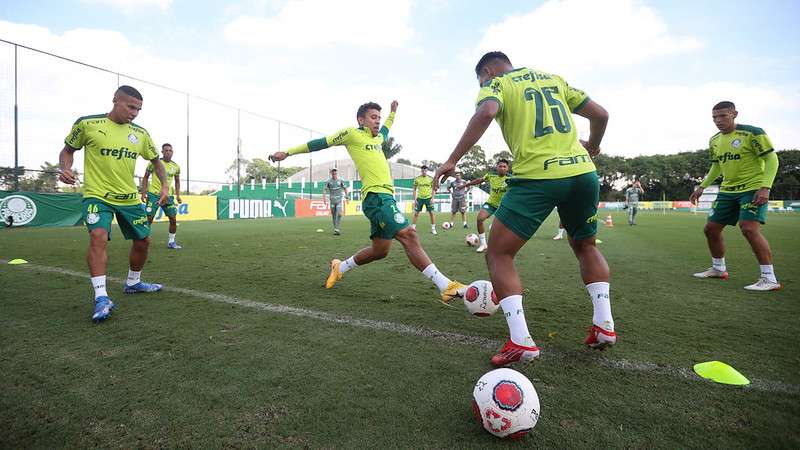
658, 66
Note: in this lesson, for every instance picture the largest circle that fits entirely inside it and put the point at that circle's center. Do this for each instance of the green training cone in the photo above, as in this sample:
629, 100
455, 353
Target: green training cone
17, 261
721, 373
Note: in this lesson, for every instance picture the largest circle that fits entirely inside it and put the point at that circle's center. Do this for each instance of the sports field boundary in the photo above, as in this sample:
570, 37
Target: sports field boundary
424, 332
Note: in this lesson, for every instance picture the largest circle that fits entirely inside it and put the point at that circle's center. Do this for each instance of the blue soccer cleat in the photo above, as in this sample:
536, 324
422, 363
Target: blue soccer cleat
102, 308
142, 287
174, 246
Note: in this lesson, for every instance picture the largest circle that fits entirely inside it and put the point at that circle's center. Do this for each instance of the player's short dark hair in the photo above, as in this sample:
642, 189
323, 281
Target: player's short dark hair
424, 167
490, 57
724, 105
503, 160
362, 110
334, 170
128, 90
166, 144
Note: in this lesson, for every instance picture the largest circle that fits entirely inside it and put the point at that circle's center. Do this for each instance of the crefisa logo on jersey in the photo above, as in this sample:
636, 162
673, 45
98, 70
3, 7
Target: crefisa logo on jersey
132, 138
20, 208
736, 143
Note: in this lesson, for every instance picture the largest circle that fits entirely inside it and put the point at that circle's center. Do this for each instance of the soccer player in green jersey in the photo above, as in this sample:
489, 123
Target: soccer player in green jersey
497, 189
745, 158
338, 195
150, 194
378, 204
551, 168
423, 196
113, 142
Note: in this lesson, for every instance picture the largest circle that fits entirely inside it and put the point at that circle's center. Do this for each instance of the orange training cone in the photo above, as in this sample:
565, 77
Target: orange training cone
609, 222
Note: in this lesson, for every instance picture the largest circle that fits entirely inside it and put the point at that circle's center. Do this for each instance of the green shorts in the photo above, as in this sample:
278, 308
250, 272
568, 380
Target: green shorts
383, 215
132, 220
427, 202
170, 210
729, 208
527, 203
489, 209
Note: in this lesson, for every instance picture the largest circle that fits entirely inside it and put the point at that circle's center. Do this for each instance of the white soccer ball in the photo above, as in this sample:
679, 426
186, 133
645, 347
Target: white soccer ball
506, 403
472, 240
480, 299
447, 225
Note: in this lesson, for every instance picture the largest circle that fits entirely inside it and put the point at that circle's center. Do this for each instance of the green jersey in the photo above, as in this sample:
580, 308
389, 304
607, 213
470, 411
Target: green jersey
172, 169
366, 152
424, 185
335, 189
497, 188
110, 158
740, 157
536, 120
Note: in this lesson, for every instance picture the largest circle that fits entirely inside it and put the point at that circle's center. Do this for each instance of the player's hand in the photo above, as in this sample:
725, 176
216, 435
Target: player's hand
164, 196
696, 195
761, 197
66, 176
593, 151
442, 174
278, 156
178, 198
394, 106
143, 198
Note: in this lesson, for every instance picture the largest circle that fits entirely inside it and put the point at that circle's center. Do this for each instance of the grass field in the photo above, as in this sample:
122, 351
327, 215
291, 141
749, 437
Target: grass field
245, 348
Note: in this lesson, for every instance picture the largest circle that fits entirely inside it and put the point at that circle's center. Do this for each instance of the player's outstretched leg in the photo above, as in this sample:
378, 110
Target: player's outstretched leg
751, 229
482, 216
716, 246
173, 230
508, 287
596, 275
378, 250
138, 256
97, 259
448, 289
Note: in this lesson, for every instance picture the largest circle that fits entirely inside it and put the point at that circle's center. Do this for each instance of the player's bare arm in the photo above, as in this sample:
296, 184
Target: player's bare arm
161, 173
178, 189
477, 125
65, 160
598, 119
143, 187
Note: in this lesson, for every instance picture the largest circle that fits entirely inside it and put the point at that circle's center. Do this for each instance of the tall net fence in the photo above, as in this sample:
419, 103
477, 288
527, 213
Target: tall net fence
216, 144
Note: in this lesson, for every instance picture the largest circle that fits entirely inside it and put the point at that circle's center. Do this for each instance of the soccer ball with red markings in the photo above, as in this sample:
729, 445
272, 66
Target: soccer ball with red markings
480, 299
472, 240
505, 403
447, 225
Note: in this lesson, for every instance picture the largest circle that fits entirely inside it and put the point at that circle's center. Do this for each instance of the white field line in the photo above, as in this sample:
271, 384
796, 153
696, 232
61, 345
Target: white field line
615, 363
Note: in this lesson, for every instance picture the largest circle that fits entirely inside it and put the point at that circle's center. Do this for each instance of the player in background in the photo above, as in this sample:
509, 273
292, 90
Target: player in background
632, 201
377, 190
458, 198
150, 194
423, 196
337, 191
745, 158
561, 231
113, 142
497, 189
551, 168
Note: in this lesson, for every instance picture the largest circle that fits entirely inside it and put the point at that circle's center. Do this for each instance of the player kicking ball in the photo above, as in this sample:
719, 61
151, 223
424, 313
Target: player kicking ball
150, 194
744, 156
113, 142
497, 189
377, 190
551, 168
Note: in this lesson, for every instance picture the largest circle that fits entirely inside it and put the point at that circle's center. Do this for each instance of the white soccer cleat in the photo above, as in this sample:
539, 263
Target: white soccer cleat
482, 248
712, 273
558, 237
433, 231
764, 284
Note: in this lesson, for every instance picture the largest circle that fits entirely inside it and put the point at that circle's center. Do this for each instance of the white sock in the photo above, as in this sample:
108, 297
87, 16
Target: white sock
414, 226
718, 263
515, 317
483, 238
99, 285
561, 232
133, 277
348, 264
433, 226
171, 238
465, 223
768, 272
437, 277
602, 305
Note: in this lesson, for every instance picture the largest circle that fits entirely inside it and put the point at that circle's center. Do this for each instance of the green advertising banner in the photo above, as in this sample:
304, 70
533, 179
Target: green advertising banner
31, 209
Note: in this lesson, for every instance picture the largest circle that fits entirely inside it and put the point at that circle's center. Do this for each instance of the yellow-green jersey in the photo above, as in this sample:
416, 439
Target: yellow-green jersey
424, 185
110, 158
171, 168
497, 188
740, 156
366, 152
536, 120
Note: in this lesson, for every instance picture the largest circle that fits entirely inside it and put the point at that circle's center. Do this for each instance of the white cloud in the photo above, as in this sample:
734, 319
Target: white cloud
578, 36
133, 5
323, 23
